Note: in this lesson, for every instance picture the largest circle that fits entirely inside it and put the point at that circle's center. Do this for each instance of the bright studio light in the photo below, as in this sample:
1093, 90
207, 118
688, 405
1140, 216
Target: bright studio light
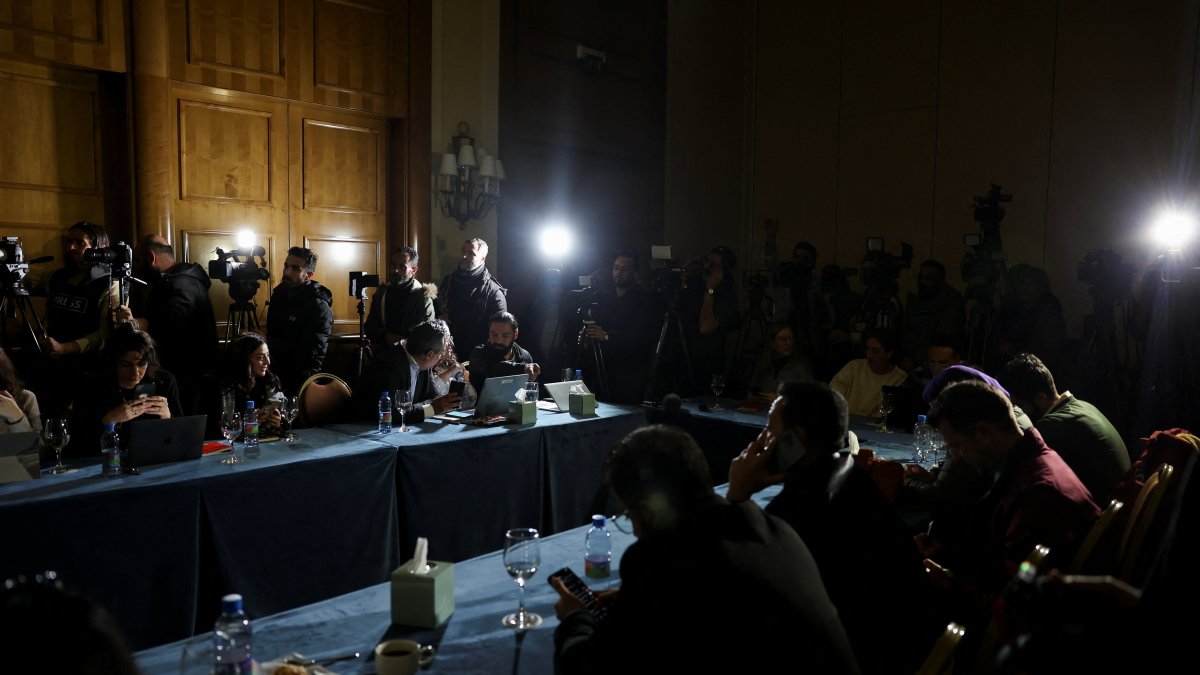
246, 239
1173, 229
555, 241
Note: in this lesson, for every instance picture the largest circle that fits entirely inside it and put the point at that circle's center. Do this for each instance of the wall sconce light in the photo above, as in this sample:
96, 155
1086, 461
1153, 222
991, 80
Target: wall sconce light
468, 180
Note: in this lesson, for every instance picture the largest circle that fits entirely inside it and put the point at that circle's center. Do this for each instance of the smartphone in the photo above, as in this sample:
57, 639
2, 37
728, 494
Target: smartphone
580, 590
458, 414
458, 386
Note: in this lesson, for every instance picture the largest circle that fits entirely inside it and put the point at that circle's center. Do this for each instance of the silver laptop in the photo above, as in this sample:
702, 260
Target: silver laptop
162, 441
561, 392
497, 393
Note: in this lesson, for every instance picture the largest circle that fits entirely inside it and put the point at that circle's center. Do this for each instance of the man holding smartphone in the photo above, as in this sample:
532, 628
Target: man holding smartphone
409, 368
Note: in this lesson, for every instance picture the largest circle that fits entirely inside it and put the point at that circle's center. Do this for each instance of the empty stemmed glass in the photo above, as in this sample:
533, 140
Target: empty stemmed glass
56, 434
289, 407
522, 557
403, 405
718, 386
231, 426
935, 445
885, 408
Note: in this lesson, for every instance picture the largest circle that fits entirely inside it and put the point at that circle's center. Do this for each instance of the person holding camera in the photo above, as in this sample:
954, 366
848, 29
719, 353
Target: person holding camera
620, 324
501, 356
178, 314
80, 296
299, 320
400, 304
709, 312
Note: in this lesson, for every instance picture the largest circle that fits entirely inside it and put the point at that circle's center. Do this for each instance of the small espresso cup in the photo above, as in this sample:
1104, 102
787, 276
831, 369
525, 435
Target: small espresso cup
402, 657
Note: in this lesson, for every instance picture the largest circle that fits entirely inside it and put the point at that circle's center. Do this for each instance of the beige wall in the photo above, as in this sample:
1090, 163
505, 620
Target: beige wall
466, 81
874, 118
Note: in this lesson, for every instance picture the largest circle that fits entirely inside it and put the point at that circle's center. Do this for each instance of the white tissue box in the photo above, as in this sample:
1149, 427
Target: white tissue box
423, 600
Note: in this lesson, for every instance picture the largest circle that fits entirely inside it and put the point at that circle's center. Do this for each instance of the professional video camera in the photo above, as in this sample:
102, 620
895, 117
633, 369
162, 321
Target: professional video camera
360, 282
119, 256
985, 262
12, 258
757, 280
1103, 270
238, 269
666, 274
881, 269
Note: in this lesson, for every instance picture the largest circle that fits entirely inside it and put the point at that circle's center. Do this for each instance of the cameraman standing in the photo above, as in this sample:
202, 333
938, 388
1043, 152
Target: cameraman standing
80, 296
178, 314
708, 313
621, 330
299, 320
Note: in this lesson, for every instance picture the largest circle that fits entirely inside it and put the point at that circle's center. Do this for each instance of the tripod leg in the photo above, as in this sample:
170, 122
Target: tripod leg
648, 396
601, 372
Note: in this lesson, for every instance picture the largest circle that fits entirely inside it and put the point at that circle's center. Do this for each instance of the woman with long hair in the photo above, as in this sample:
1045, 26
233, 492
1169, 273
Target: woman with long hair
245, 375
18, 406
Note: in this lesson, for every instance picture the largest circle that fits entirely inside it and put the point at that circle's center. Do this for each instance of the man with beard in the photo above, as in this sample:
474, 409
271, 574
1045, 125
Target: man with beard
471, 295
299, 320
623, 331
935, 309
501, 355
403, 303
708, 313
178, 314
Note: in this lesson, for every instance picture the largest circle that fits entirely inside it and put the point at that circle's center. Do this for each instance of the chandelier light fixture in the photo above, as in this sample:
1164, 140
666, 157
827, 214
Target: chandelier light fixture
468, 180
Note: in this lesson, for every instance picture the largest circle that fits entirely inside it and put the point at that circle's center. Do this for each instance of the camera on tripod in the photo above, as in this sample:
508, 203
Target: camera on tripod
360, 282
1103, 270
666, 274
119, 257
759, 280
985, 263
12, 257
881, 269
240, 271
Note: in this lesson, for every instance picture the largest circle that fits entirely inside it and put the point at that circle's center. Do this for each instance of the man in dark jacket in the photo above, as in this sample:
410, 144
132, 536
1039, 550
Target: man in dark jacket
299, 320
401, 304
178, 314
471, 296
501, 356
409, 368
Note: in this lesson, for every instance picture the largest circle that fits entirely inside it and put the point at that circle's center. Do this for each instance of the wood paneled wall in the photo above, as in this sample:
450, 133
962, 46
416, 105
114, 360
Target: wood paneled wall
84, 33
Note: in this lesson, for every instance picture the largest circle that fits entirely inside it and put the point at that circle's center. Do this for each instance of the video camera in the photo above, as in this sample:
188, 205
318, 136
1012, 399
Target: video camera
985, 262
758, 280
360, 282
119, 257
12, 257
238, 269
1103, 270
666, 274
880, 269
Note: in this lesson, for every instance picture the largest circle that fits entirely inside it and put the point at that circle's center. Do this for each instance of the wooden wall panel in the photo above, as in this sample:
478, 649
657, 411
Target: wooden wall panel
85, 33
233, 44
231, 176
338, 166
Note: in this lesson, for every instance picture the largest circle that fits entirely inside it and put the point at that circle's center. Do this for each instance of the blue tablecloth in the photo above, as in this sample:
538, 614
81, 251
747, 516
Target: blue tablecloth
471, 641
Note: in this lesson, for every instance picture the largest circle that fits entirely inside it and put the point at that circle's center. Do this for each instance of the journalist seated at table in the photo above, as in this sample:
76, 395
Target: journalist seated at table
779, 363
244, 375
130, 387
708, 587
409, 369
18, 406
501, 356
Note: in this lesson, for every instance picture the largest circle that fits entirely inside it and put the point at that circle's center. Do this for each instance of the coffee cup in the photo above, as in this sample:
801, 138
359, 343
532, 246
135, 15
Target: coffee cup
402, 657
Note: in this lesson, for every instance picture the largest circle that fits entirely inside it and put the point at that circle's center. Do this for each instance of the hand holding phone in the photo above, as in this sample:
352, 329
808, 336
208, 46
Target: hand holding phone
581, 591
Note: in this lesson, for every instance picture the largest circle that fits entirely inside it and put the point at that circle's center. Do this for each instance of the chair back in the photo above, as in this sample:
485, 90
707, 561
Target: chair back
1084, 557
941, 658
1141, 520
322, 399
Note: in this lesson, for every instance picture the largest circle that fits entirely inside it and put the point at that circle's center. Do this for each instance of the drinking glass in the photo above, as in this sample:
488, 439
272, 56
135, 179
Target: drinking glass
532, 391
288, 409
522, 558
885, 408
231, 426
403, 405
56, 434
568, 374
718, 386
936, 443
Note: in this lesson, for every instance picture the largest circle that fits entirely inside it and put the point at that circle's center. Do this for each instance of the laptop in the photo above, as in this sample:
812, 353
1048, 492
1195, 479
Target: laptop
497, 393
161, 441
19, 456
561, 392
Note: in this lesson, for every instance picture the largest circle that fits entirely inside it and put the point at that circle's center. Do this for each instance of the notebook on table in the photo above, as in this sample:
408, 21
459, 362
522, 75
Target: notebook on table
561, 392
161, 441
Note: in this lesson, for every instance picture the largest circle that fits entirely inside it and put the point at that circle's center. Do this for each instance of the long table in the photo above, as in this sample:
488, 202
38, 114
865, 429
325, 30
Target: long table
302, 522
471, 641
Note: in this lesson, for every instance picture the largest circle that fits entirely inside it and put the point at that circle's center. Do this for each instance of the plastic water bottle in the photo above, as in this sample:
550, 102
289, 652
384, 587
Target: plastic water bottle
597, 550
385, 413
110, 450
250, 430
920, 440
232, 638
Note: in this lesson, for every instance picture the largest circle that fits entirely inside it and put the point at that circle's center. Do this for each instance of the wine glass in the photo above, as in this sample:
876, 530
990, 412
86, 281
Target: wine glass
289, 407
935, 445
231, 426
521, 558
718, 386
886, 403
403, 401
56, 434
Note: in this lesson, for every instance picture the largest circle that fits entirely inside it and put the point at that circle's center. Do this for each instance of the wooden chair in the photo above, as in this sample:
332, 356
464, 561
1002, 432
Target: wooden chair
1084, 557
322, 399
941, 658
1141, 521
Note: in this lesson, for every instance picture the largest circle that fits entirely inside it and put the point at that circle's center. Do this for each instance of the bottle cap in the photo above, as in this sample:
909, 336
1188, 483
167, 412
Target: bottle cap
383, 394
231, 604
920, 418
249, 404
597, 520
109, 426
